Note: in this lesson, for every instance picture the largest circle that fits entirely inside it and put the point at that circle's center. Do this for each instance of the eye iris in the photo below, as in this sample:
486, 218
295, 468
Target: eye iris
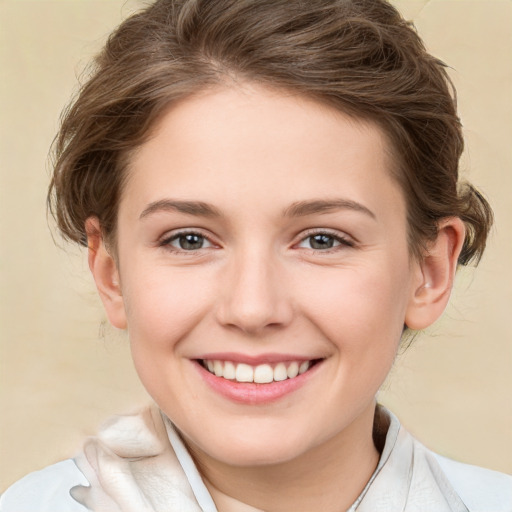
191, 241
321, 241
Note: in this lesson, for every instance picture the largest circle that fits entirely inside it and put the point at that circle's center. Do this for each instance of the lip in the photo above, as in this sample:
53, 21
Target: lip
250, 393
269, 358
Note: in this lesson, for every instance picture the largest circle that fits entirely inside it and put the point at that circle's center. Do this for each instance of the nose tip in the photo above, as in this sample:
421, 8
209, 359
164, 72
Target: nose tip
254, 300
253, 318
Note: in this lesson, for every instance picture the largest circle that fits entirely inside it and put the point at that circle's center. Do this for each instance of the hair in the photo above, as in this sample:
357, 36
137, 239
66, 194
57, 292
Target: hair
358, 56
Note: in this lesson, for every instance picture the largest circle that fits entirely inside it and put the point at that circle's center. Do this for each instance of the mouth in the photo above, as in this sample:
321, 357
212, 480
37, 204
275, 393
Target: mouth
258, 374
260, 383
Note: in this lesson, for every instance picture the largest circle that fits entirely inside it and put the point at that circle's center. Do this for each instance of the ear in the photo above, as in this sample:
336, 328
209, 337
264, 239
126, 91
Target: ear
434, 277
106, 275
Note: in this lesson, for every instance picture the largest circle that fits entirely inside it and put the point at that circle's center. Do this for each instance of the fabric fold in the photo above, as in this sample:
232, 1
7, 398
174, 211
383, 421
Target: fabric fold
131, 467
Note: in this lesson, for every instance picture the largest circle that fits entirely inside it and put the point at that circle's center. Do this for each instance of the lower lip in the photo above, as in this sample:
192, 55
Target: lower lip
251, 393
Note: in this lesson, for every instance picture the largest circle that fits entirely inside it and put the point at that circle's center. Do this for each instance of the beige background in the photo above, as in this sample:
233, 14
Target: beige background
62, 373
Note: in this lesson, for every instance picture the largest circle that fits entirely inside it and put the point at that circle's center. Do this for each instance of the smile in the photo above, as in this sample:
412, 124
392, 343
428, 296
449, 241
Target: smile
260, 374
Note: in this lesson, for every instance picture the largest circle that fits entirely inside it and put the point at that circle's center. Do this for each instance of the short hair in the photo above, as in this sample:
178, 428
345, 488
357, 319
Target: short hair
358, 56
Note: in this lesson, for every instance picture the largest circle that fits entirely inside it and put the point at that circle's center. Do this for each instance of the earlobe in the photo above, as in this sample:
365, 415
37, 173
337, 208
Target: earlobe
105, 273
435, 275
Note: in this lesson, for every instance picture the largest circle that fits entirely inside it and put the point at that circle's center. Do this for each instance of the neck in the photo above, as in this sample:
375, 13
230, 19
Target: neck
328, 477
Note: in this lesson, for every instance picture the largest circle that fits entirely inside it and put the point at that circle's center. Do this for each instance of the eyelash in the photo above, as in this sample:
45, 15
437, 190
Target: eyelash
343, 242
166, 242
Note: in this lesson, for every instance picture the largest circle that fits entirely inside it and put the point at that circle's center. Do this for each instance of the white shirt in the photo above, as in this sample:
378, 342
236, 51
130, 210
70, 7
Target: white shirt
138, 463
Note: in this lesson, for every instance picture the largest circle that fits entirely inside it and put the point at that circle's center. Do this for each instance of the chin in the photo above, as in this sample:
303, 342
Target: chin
253, 456
255, 447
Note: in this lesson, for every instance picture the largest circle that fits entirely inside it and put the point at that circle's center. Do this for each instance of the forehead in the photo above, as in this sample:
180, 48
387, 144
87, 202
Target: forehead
268, 146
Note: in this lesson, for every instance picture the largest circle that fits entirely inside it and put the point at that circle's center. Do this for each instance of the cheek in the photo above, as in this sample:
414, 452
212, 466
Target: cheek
361, 314
163, 309
163, 305
359, 305
360, 311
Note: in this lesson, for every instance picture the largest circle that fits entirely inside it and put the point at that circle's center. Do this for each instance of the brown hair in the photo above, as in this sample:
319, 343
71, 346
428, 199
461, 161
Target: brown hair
359, 56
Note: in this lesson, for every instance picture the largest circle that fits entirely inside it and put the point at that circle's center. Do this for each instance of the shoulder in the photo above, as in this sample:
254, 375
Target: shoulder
429, 476
46, 490
481, 490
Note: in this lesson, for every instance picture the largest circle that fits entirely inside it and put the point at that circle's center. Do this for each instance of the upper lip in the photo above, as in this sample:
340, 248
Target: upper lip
251, 360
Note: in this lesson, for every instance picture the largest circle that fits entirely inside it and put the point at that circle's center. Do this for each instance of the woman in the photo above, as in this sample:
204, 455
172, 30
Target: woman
268, 193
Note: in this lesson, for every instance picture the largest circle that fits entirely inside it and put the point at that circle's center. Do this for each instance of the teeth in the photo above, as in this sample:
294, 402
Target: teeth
229, 370
261, 374
292, 371
218, 368
303, 367
244, 373
280, 372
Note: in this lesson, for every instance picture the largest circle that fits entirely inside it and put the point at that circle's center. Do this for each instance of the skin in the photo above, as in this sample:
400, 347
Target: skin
259, 286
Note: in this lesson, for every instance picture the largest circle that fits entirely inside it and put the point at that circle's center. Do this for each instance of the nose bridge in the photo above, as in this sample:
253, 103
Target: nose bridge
254, 296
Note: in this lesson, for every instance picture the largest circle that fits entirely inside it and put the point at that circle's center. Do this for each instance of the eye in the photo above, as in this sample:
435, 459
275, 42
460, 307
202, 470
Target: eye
324, 241
187, 242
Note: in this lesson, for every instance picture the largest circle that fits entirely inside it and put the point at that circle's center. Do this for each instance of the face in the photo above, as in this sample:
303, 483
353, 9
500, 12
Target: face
260, 234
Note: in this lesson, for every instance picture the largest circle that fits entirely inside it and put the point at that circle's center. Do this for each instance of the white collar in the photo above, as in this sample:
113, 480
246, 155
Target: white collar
138, 463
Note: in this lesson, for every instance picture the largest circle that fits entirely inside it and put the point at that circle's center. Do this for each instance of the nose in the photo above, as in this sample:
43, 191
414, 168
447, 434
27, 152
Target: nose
254, 295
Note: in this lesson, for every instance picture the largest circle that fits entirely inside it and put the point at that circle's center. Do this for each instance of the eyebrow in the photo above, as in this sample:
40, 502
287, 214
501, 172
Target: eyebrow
197, 208
303, 208
297, 209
